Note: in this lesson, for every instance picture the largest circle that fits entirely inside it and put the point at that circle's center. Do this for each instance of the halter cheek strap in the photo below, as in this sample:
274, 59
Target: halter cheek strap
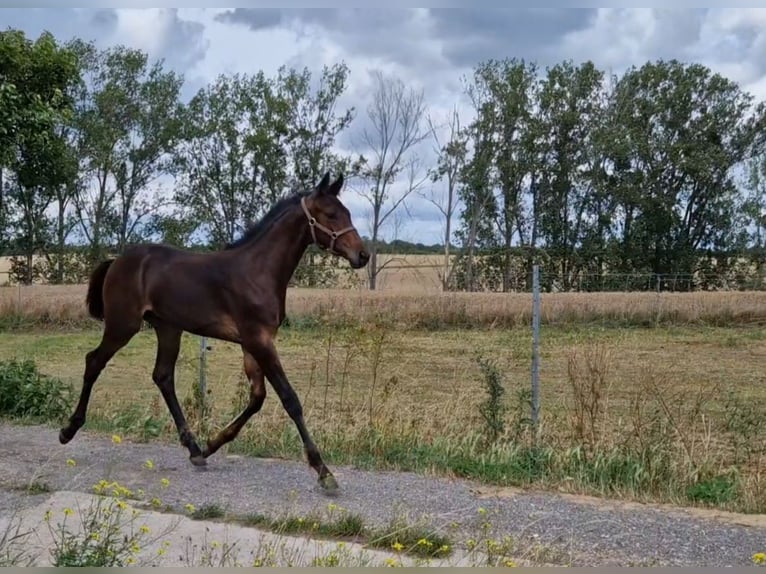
314, 223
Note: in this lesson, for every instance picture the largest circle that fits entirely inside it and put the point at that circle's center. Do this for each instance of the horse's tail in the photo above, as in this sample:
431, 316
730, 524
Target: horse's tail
95, 297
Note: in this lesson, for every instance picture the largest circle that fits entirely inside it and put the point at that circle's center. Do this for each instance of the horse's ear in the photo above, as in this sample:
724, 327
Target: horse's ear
322, 185
336, 186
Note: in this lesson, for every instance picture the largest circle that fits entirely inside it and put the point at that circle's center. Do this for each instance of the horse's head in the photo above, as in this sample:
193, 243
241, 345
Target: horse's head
330, 222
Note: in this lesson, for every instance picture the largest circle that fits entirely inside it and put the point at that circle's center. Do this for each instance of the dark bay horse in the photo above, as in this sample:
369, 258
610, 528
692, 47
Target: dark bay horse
236, 295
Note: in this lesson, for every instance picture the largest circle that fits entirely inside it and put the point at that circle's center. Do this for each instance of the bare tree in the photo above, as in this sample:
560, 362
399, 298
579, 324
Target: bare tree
396, 116
451, 159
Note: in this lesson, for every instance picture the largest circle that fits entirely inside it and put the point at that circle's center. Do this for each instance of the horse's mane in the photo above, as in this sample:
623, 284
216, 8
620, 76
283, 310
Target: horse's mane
272, 216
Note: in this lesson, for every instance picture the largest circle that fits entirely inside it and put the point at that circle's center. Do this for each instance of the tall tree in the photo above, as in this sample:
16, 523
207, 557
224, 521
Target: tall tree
131, 121
570, 106
679, 130
451, 156
35, 101
231, 158
396, 117
314, 124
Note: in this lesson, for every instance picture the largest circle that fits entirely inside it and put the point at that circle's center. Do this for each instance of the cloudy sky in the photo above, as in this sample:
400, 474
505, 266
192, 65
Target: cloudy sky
428, 48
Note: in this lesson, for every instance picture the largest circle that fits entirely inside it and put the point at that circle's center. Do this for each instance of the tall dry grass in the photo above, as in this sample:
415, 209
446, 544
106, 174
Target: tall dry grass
48, 305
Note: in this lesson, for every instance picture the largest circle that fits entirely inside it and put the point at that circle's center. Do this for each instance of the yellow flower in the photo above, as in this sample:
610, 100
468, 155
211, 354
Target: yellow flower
131, 560
116, 439
190, 507
145, 529
165, 482
156, 502
759, 558
332, 506
122, 505
444, 548
482, 510
135, 548
424, 542
510, 564
215, 544
47, 515
95, 536
70, 462
391, 562
398, 546
68, 512
149, 464
160, 551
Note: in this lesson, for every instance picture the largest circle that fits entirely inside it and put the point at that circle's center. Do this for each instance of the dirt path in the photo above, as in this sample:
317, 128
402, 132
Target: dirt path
574, 530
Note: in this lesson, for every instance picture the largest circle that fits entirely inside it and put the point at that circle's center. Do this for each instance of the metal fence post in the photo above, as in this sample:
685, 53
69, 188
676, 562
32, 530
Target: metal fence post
202, 377
535, 346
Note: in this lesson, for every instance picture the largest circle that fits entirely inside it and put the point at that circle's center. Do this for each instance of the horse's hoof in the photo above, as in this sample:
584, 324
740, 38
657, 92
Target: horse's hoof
198, 460
329, 483
63, 437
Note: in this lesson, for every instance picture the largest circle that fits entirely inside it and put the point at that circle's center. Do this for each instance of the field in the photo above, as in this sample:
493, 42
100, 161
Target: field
646, 396
401, 273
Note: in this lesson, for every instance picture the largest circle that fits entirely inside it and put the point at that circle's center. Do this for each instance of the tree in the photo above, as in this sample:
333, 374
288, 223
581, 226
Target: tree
130, 119
231, 158
570, 109
396, 127
451, 159
505, 172
314, 126
677, 132
753, 210
35, 102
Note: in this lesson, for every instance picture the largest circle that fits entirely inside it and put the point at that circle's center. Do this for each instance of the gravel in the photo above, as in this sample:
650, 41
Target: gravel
574, 531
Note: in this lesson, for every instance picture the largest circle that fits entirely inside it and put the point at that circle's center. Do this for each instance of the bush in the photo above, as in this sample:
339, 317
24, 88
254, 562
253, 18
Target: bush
27, 393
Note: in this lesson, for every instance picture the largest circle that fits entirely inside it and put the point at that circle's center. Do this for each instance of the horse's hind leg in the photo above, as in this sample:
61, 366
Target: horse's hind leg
168, 347
113, 339
257, 396
261, 346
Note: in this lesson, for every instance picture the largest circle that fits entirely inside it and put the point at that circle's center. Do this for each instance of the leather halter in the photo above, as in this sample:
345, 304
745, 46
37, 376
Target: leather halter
314, 223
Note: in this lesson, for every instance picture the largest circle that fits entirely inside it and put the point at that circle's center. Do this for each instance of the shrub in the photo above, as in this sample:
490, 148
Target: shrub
27, 393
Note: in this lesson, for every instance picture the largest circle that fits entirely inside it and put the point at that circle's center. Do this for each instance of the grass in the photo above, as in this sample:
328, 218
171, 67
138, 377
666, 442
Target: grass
62, 307
643, 396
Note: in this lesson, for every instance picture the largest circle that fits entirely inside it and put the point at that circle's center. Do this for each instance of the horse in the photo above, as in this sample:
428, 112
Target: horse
236, 294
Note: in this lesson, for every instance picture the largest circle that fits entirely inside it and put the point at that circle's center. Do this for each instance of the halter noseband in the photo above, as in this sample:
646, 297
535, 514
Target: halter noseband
314, 223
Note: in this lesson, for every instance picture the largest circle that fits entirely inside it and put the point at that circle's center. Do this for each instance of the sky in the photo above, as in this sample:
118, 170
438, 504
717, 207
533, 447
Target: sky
428, 48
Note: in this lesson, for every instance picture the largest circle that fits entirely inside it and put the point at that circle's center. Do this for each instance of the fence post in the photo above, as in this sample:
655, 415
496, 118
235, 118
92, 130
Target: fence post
535, 347
202, 374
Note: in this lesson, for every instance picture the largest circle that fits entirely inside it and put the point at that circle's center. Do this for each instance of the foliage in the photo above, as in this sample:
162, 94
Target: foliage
27, 393
585, 173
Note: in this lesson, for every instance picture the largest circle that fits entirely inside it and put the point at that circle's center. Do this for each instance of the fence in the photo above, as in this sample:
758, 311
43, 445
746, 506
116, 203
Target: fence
541, 283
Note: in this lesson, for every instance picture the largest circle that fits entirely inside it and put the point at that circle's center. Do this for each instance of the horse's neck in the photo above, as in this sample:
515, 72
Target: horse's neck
279, 251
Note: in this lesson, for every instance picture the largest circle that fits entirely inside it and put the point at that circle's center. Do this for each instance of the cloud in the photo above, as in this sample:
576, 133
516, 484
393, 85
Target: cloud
432, 49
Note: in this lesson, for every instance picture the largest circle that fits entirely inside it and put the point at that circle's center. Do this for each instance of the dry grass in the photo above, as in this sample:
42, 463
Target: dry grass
407, 272
64, 305
664, 389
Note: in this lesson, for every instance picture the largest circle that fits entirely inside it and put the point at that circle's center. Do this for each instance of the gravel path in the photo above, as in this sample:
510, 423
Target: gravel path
578, 532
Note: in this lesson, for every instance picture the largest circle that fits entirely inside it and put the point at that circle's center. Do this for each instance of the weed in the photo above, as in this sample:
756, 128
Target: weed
715, 490
26, 393
492, 409
33, 488
208, 512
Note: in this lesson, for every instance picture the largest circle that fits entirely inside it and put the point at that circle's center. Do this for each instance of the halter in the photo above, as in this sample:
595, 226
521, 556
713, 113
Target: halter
314, 223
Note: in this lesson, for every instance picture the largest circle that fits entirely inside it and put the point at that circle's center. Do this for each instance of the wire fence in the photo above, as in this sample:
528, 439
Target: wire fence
427, 279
